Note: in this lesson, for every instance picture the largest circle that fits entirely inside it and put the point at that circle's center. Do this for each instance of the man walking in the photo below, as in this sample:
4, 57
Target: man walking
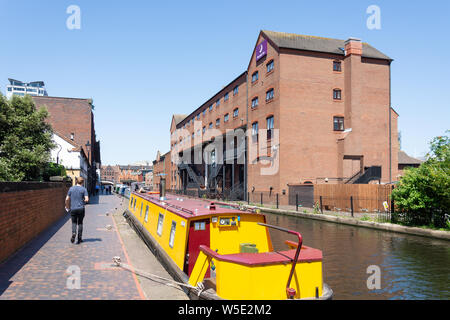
76, 199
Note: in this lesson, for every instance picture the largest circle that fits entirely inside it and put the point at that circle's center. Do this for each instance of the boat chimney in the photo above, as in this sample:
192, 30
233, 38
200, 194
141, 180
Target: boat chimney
212, 206
162, 189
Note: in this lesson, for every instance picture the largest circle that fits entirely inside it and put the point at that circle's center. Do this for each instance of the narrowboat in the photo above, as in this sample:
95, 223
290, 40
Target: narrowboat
225, 251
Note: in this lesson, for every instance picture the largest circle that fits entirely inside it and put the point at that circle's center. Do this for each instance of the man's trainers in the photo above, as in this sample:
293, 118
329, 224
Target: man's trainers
79, 241
73, 238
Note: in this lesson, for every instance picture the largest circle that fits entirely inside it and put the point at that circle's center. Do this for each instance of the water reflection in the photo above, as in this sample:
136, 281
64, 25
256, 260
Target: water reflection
412, 267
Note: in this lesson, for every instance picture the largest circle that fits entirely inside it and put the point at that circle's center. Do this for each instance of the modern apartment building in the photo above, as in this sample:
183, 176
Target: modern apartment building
19, 88
313, 110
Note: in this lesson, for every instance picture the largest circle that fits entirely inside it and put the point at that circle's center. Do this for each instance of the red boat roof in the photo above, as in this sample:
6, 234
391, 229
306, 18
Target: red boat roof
307, 254
189, 208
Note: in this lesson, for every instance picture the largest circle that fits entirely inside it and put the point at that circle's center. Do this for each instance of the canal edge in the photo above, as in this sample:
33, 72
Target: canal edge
437, 234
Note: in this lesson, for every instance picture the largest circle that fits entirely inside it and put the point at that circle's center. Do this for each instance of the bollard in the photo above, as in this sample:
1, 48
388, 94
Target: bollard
296, 201
261, 199
351, 204
248, 197
277, 200
321, 206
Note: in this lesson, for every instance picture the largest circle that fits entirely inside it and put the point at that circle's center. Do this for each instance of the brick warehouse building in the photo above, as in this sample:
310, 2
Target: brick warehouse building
323, 106
74, 119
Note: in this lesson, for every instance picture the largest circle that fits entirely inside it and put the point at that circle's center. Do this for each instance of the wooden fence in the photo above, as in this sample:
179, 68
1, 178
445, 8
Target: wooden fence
364, 197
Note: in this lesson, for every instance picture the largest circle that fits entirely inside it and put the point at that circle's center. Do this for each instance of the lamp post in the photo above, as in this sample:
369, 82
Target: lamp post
57, 155
88, 145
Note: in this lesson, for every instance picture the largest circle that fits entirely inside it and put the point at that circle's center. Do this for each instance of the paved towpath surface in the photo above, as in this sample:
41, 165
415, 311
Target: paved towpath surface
50, 267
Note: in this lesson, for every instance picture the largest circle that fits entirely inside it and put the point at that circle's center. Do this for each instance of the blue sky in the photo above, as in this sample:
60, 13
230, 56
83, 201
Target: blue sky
142, 61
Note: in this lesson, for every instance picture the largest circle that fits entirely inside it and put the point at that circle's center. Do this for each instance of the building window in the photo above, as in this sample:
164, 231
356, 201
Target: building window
254, 102
225, 118
217, 103
198, 116
172, 234
337, 94
270, 65
217, 122
255, 132
235, 112
210, 107
269, 94
210, 125
204, 112
146, 214
338, 123
337, 66
269, 127
254, 76
236, 90
204, 129
72, 136
225, 97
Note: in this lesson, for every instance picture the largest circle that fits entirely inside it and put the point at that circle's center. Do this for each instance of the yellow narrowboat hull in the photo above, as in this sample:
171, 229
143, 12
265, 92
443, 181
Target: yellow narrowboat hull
257, 279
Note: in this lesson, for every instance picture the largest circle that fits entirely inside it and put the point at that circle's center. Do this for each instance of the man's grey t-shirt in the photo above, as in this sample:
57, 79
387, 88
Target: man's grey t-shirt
77, 194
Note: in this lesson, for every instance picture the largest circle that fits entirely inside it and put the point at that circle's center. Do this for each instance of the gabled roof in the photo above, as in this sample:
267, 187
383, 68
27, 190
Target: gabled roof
178, 118
404, 158
318, 44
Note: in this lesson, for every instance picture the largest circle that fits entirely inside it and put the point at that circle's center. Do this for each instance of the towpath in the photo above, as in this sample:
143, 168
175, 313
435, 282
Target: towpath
50, 267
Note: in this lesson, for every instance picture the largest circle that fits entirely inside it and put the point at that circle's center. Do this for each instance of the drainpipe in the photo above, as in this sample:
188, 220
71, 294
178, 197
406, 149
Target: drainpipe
390, 128
245, 141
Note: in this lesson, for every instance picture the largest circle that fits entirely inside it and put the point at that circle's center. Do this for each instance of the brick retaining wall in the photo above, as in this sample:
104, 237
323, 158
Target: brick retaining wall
27, 209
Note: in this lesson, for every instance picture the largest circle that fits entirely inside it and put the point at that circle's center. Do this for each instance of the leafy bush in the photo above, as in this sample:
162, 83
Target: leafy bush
53, 169
25, 139
423, 194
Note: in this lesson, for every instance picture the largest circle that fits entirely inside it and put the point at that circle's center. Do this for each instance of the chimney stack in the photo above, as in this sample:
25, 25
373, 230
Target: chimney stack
353, 46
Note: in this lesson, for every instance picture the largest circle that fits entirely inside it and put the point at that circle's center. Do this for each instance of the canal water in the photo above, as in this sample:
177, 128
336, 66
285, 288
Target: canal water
412, 267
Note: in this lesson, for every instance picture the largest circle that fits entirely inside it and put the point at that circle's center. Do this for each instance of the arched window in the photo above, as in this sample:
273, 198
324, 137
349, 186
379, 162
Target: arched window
337, 94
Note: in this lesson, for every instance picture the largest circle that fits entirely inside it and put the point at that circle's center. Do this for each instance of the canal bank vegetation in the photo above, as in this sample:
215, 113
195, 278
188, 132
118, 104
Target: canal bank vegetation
422, 197
25, 142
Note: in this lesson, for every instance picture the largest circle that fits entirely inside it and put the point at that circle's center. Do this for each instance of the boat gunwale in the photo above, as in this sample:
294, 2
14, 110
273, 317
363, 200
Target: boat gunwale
185, 215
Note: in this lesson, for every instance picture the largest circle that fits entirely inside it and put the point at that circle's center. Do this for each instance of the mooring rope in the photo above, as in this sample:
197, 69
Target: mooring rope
169, 282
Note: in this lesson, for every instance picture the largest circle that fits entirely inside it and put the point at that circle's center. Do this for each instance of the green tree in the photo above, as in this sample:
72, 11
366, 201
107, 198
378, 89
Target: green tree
423, 194
25, 139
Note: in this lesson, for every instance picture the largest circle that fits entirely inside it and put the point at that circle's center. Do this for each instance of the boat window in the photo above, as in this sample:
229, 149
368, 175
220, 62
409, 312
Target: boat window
140, 215
160, 224
199, 226
146, 214
172, 234
134, 206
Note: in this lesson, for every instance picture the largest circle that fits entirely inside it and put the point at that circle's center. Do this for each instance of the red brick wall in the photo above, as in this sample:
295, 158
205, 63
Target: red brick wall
71, 115
27, 209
